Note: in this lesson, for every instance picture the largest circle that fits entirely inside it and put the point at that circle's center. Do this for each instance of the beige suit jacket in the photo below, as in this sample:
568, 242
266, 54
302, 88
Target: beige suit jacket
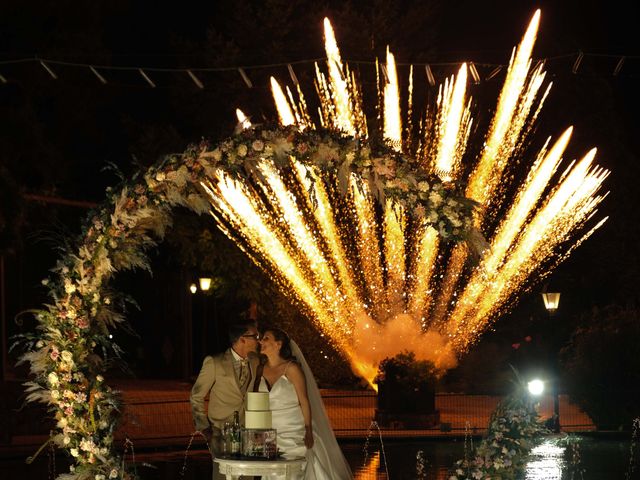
218, 380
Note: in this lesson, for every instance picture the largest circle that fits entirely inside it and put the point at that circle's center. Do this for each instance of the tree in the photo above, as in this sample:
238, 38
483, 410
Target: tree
602, 366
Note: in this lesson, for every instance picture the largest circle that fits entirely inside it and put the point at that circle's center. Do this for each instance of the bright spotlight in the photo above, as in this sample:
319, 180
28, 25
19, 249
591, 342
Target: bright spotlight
536, 387
193, 288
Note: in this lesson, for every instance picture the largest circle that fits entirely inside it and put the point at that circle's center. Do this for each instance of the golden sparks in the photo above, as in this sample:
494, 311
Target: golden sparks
374, 280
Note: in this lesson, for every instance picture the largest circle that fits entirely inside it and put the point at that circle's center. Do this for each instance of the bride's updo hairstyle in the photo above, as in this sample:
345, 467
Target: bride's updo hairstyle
281, 336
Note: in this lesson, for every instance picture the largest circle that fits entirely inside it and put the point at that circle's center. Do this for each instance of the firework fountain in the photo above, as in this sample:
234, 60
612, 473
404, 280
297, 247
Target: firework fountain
373, 279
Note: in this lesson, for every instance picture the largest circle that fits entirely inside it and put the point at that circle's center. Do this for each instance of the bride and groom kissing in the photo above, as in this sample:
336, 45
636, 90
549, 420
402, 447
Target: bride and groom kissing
299, 417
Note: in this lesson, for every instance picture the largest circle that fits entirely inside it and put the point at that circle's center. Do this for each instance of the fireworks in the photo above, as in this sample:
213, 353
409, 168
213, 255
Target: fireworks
373, 279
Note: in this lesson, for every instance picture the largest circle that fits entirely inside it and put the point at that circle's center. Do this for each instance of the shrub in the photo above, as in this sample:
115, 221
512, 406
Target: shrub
602, 366
406, 384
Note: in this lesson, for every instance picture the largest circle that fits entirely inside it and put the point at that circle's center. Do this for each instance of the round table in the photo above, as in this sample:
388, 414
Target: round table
233, 468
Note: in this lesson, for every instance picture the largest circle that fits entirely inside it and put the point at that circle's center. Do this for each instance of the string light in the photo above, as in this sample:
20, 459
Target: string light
146, 77
430, 78
48, 69
245, 77
191, 71
100, 77
616, 71
292, 74
195, 79
577, 63
474, 73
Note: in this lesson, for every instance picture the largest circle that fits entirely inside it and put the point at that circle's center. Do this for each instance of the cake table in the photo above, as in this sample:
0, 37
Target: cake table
233, 468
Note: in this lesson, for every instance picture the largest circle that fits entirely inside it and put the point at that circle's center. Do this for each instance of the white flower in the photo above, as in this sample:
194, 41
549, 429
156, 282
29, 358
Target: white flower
55, 394
74, 452
113, 473
69, 287
435, 198
99, 378
258, 145
71, 313
87, 445
45, 282
242, 150
66, 440
52, 378
100, 476
423, 186
67, 356
63, 422
160, 176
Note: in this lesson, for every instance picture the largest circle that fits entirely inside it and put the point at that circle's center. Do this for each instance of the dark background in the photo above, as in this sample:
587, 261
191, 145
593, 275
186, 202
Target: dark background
57, 136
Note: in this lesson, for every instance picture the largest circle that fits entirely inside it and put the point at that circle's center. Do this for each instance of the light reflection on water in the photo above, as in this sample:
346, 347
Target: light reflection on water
547, 461
599, 459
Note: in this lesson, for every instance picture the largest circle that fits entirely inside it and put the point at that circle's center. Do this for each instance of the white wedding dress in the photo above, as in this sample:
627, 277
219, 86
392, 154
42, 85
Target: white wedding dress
325, 460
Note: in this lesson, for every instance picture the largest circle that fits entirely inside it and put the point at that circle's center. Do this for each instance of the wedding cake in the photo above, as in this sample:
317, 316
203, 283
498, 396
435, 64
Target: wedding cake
258, 436
257, 414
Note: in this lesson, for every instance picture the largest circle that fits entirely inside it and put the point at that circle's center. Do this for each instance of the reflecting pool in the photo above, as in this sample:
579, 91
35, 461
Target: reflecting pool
581, 458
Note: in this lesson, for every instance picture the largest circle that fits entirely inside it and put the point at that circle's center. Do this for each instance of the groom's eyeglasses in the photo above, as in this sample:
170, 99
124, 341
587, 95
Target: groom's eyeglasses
255, 336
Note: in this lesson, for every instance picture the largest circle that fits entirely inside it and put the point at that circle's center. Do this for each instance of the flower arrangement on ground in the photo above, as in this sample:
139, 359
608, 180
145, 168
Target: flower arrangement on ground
513, 430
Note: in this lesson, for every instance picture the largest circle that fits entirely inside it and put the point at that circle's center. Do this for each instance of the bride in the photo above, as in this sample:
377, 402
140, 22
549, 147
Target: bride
299, 417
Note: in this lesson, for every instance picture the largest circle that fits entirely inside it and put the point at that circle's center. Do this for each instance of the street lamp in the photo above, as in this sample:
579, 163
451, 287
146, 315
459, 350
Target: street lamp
551, 303
205, 283
193, 288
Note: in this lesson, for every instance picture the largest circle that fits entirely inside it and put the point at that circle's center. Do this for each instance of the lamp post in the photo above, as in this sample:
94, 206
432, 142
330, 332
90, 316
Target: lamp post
205, 286
551, 303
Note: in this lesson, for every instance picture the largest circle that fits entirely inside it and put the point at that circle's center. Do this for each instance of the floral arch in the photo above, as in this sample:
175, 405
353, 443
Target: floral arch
68, 350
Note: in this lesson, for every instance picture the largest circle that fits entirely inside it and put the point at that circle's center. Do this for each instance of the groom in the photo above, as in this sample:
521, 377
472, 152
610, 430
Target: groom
225, 378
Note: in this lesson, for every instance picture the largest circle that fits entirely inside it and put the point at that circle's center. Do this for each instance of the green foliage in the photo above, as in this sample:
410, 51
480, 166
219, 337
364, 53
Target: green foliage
407, 372
406, 385
602, 366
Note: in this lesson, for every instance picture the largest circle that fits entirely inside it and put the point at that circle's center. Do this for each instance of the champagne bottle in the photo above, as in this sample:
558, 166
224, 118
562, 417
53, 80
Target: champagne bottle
235, 434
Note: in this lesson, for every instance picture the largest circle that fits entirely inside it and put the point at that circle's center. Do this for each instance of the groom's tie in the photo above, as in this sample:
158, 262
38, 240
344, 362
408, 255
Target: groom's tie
243, 372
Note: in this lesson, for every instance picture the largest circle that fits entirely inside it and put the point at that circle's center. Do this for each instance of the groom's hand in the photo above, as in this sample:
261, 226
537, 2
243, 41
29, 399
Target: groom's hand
308, 437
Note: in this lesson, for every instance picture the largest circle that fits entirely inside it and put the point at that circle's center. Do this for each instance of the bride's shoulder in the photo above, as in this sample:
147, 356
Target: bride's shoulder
293, 368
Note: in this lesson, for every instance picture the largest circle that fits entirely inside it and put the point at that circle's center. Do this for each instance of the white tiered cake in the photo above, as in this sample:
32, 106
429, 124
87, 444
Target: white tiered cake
257, 414
258, 436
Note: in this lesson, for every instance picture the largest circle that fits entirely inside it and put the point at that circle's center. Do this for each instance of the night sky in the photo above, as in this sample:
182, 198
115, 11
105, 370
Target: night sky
58, 135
